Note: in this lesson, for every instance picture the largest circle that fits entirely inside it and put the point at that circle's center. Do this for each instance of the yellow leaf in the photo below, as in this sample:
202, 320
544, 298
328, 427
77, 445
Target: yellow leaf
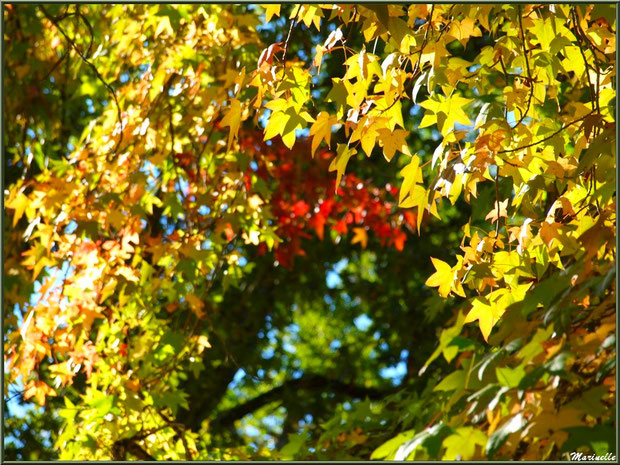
255, 202
285, 123
232, 119
367, 132
445, 112
309, 14
412, 175
463, 443
318, 59
339, 163
322, 130
368, 140
442, 278
482, 310
462, 30
361, 236
164, 25
252, 238
418, 197
19, 204
391, 141
42, 263
107, 290
270, 11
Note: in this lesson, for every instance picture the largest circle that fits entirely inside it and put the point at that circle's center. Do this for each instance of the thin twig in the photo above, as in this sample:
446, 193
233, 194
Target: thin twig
546, 138
429, 23
288, 37
60, 60
529, 73
497, 203
89, 27
593, 94
95, 71
177, 429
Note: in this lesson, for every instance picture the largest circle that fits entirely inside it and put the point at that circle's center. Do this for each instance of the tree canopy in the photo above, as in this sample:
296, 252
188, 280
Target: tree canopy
309, 231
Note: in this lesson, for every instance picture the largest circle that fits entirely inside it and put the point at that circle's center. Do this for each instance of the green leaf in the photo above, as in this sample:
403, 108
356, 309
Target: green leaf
462, 444
488, 359
431, 439
338, 95
531, 377
389, 448
600, 439
602, 144
295, 443
453, 381
510, 377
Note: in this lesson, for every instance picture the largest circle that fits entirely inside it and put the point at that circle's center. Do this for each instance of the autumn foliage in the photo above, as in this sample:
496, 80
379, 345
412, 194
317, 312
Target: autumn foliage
181, 179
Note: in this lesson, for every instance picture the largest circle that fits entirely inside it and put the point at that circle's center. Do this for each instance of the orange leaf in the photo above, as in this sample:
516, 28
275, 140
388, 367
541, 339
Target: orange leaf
499, 211
361, 236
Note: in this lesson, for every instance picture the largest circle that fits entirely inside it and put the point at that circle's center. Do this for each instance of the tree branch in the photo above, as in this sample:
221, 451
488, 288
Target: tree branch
310, 381
95, 71
529, 73
288, 37
548, 137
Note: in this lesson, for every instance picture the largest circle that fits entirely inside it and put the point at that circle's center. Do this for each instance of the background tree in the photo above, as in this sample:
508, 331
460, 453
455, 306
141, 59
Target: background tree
184, 277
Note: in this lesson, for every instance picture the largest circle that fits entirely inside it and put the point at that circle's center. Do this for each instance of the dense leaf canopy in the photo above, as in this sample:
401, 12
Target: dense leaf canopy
309, 232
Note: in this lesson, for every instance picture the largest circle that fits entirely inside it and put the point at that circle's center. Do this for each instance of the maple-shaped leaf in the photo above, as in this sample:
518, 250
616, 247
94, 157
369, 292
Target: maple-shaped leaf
361, 236
488, 310
39, 390
442, 278
463, 443
338, 94
270, 11
308, 14
369, 139
367, 129
412, 174
362, 66
391, 141
232, 119
19, 204
486, 313
418, 197
339, 164
322, 130
445, 112
463, 30
499, 211
284, 123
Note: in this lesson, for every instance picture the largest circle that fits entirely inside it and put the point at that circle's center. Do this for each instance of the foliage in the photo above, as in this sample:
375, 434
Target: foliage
181, 180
